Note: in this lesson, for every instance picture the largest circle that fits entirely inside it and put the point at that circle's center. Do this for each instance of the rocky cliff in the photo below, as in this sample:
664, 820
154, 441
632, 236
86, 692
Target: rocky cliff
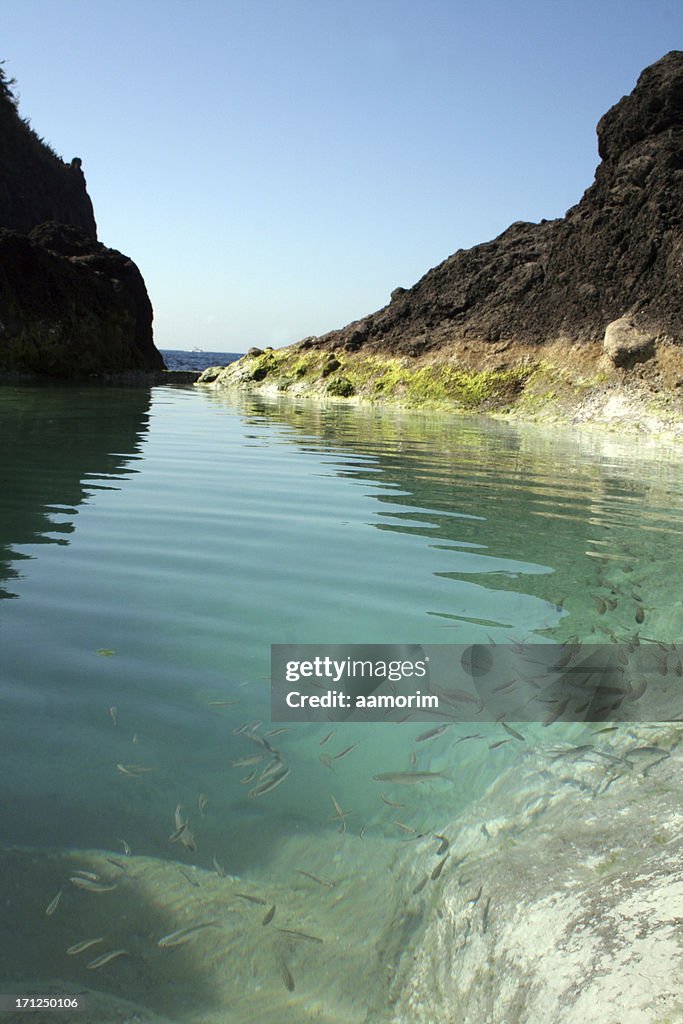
617, 253
69, 306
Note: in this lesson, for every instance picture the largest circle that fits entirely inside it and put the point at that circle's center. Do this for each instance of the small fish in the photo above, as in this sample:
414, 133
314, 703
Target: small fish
476, 899
316, 878
106, 958
269, 915
247, 762
327, 761
106, 652
221, 703
134, 769
271, 783
248, 727
343, 753
90, 886
189, 878
117, 864
300, 935
513, 732
184, 934
420, 886
340, 813
202, 801
126, 848
553, 716
405, 828
498, 743
388, 802
80, 947
327, 738
187, 839
504, 687
570, 650
113, 714
54, 903
272, 768
439, 868
175, 836
261, 741
252, 899
431, 734
275, 732
485, 915
443, 846
287, 976
218, 868
340, 816
408, 778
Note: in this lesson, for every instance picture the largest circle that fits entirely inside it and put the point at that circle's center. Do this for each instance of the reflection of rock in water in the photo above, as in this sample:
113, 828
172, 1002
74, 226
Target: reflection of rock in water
54, 438
570, 510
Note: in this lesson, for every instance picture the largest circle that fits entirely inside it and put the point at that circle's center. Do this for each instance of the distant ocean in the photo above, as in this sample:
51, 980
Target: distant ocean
197, 359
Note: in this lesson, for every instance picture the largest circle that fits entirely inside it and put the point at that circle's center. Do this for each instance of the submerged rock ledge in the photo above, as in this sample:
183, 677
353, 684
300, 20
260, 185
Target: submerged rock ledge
579, 318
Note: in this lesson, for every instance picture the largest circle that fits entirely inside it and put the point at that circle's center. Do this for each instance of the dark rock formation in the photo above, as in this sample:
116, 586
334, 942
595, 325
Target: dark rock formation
618, 253
69, 306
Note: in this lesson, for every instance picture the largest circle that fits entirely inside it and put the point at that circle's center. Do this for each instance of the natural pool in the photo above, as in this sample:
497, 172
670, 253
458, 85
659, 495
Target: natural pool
154, 544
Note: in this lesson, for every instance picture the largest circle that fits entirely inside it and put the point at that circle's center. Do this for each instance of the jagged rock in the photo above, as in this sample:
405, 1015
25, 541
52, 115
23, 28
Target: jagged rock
618, 252
626, 345
69, 306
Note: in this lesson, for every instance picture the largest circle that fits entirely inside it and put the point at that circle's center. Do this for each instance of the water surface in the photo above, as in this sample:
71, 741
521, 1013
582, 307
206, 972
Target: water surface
153, 544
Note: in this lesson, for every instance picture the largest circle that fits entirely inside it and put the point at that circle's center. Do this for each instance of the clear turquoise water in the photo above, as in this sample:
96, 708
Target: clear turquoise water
153, 545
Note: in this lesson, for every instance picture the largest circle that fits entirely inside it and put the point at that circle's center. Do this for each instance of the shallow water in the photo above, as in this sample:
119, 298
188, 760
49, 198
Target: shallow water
153, 545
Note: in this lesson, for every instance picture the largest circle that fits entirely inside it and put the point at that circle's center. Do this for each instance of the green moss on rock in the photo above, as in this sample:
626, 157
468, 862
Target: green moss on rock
341, 387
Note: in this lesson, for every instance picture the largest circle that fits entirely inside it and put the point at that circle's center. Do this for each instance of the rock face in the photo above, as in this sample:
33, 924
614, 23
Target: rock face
626, 345
617, 253
69, 306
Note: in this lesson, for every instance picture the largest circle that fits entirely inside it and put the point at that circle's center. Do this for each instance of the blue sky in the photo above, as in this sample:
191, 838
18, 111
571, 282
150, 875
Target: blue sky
277, 168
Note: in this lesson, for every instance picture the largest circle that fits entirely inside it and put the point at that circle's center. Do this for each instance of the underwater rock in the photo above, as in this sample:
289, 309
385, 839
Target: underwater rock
570, 911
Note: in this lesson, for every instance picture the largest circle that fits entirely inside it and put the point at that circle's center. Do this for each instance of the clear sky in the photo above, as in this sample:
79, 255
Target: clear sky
277, 167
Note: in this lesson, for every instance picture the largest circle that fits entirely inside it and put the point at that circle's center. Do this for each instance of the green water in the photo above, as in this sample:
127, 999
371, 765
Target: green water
153, 544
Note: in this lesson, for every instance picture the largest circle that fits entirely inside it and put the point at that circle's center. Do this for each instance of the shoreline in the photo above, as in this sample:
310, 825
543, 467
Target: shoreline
124, 377
552, 385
